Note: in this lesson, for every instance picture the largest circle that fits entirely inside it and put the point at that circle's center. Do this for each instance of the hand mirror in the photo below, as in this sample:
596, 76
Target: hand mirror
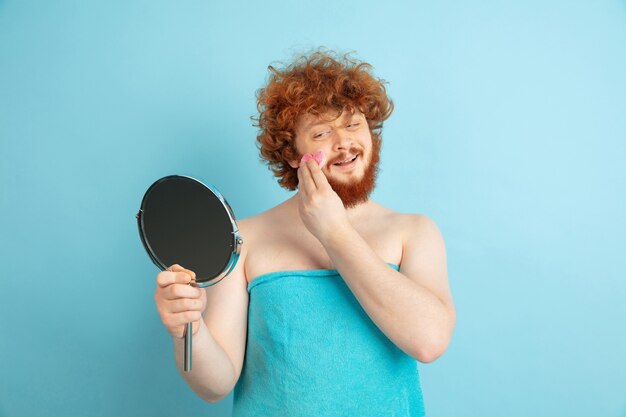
183, 221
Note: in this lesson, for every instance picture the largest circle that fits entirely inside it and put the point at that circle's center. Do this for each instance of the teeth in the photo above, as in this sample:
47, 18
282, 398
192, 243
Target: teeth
347, 160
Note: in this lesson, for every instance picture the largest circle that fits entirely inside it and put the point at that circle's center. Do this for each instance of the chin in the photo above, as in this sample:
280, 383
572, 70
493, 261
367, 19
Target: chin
346, 181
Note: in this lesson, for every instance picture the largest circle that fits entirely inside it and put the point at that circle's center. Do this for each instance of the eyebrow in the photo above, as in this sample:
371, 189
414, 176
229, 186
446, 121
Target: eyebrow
316, 123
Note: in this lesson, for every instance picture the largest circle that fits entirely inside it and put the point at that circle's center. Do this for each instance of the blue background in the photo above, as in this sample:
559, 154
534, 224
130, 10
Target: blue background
509, 132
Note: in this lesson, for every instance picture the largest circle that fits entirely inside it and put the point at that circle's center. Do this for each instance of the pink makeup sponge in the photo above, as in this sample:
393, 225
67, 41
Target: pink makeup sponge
317, 156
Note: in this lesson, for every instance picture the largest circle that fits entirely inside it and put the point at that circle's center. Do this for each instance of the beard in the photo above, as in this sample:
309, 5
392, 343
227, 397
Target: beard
353, 193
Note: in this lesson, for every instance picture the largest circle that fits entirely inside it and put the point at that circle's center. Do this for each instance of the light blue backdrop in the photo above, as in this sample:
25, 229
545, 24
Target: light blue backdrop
509, 132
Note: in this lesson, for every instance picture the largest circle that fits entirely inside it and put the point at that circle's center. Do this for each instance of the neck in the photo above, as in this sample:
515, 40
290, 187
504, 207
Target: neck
355, 214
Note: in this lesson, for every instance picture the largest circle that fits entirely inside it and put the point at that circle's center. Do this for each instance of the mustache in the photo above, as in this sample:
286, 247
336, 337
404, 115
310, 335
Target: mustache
352, 152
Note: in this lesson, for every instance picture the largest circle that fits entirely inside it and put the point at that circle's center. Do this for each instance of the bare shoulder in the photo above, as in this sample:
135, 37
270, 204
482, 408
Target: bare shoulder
423, 246
250, 227
407, 225
418, 227
246, 233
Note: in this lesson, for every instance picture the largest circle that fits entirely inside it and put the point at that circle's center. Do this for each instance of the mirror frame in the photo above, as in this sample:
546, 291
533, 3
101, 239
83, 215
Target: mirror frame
235, 243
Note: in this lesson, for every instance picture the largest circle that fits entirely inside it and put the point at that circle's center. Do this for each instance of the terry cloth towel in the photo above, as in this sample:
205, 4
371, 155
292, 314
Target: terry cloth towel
313, 351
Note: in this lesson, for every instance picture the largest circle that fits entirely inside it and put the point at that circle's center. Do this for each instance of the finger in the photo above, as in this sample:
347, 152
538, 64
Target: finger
307, 180
172, 292
175, 274
318, 176
177, 319
301, 188
185, 304
166, 278
178, 268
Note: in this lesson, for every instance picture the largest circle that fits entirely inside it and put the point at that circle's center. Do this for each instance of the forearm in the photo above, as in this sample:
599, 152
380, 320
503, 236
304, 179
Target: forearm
212, 375
409, 314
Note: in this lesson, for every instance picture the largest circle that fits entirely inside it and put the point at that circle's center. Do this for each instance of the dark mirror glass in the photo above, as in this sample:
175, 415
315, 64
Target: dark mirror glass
185, 222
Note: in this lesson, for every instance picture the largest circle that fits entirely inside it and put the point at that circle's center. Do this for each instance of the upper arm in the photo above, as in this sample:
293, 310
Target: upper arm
226, 313
424, 260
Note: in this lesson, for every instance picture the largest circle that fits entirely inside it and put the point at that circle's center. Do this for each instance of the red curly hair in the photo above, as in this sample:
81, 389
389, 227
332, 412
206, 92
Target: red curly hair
314, 83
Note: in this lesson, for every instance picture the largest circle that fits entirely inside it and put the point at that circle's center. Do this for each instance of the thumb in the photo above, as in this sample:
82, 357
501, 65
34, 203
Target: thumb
178, 268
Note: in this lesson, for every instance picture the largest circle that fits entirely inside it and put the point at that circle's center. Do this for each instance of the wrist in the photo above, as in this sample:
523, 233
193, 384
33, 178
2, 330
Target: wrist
338, 236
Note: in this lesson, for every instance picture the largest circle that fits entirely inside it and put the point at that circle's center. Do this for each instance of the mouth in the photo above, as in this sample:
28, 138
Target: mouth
347, 164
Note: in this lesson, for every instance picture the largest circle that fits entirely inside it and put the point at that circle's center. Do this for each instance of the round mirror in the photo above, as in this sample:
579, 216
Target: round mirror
183, 221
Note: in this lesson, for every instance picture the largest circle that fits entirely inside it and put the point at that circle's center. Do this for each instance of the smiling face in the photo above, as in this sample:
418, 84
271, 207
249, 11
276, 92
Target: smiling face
352, 157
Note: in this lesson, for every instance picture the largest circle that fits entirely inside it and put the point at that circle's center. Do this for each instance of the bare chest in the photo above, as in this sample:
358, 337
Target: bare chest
283, 249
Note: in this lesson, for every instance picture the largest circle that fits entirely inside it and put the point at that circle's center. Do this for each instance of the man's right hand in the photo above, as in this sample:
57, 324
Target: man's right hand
178, 303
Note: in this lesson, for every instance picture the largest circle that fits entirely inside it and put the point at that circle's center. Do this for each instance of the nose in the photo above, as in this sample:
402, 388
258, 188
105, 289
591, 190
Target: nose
343, 140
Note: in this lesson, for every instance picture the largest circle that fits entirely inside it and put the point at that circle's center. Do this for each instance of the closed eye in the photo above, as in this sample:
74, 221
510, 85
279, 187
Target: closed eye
319, 135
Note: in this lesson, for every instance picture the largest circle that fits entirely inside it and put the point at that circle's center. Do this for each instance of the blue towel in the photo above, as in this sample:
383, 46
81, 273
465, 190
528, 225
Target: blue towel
313, 351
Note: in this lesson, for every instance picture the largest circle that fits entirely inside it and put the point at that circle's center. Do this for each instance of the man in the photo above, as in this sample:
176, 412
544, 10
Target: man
334, 297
